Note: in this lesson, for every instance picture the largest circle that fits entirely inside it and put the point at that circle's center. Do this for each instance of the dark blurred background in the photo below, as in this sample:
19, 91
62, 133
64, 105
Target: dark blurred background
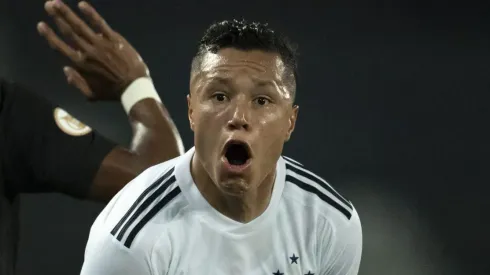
394, 113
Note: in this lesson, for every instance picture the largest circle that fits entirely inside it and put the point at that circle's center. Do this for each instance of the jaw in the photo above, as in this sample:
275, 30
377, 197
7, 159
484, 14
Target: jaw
239, 197
244, 200
236, 187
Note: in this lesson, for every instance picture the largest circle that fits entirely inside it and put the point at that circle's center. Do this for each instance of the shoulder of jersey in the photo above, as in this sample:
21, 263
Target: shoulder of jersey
313, 186
144, 198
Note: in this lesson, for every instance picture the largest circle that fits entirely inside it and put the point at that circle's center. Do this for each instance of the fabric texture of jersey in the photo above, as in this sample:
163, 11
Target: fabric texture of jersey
161, 224
36, 156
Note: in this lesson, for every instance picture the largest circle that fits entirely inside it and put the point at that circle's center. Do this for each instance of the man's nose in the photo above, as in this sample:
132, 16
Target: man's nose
240, 119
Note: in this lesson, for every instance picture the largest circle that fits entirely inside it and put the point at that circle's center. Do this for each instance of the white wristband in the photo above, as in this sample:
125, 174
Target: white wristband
140, 89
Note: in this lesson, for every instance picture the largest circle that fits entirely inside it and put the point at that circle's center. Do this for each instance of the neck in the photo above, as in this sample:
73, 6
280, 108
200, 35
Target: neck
243, 207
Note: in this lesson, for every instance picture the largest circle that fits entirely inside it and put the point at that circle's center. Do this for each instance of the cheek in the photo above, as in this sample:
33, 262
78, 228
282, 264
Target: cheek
205, 117
274, 125
205, 137
212, 120
272, 138
272, 143
208, 126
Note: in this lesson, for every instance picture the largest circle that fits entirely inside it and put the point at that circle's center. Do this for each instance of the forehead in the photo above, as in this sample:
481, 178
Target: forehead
261, 64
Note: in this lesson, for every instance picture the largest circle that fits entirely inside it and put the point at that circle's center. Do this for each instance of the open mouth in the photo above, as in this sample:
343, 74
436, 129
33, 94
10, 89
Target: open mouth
237, 153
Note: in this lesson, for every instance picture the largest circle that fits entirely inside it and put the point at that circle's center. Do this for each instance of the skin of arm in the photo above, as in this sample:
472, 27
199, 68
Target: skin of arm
155, 140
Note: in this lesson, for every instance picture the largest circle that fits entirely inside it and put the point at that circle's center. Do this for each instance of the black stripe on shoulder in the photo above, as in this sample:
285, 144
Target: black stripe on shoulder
159, 206
292, 160
319, 181
323, 197
148, 201
154, 185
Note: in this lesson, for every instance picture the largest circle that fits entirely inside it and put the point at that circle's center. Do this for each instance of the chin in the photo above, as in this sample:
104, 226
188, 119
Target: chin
235, 187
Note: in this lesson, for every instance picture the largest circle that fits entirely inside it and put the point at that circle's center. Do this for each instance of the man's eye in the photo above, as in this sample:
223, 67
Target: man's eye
262, 101
219, 97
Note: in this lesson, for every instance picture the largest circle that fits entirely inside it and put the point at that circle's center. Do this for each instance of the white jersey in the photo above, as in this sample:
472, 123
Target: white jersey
160, 224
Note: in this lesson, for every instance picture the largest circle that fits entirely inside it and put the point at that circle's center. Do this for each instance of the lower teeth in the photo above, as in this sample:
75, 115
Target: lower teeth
236, 162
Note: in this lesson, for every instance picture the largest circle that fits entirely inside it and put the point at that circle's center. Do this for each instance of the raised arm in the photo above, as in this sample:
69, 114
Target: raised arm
155, 140
106, 67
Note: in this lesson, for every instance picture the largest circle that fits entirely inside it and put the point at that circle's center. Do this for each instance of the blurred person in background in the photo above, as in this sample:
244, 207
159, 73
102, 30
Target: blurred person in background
45, 149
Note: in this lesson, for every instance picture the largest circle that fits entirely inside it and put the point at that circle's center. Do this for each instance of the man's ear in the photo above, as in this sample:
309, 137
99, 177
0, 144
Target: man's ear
292, 121
190, 112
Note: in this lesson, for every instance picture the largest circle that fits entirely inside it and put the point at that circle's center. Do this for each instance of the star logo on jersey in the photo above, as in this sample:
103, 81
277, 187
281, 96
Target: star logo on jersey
68, 124
309, 273
294, 259
277, 273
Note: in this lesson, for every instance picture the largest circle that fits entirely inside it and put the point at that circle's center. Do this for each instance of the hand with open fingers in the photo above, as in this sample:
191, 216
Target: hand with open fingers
104, 63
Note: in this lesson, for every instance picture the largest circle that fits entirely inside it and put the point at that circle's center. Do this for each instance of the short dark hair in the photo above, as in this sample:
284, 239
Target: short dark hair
245, 36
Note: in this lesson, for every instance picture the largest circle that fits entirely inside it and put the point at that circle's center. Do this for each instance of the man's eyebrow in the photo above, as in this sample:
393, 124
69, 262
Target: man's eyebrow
220, 79
264, 82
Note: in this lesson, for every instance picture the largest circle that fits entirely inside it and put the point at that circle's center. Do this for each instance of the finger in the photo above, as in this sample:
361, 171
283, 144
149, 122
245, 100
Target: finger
49, 8
56, 43
73, 20
67, 31
65, 28
96, 19
74, 78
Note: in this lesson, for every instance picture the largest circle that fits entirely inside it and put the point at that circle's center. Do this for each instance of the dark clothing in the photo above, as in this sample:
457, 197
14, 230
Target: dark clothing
37, 156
